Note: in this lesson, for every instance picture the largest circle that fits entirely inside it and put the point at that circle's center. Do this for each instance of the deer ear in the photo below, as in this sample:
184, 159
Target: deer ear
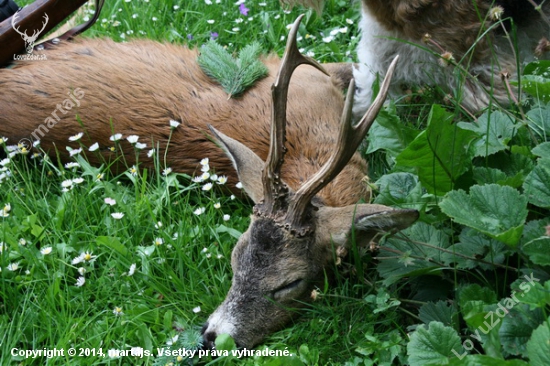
335, 223
248, 165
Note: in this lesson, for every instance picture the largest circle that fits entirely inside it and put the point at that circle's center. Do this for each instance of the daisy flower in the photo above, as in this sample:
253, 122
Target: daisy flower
74, 152
132, 269
80, 281
199, 211
110, 201
72, 165
76, 137
116, 137
132, 139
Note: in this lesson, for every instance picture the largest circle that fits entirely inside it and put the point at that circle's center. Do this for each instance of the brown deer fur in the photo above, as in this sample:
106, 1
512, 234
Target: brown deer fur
427, 32
135, 88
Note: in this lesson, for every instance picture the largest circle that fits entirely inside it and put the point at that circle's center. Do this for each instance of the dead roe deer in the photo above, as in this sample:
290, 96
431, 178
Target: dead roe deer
305, 206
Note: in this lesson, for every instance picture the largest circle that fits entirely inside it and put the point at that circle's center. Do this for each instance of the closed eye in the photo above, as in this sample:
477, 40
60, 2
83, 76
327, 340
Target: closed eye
286, 290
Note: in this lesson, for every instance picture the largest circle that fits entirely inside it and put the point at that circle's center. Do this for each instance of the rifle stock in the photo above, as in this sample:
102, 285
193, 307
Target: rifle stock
31, 17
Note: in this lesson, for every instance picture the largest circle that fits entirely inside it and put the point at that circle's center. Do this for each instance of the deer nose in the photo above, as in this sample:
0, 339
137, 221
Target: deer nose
208, 338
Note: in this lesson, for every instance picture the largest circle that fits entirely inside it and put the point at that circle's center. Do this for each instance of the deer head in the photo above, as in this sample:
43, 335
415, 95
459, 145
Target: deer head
292, 236
29, 40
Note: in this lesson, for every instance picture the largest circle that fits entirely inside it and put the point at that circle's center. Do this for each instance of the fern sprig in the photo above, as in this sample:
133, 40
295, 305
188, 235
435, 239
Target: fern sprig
234, 75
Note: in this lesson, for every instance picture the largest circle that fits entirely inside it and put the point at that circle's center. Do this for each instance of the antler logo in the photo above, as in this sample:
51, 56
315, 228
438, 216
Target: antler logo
29, 40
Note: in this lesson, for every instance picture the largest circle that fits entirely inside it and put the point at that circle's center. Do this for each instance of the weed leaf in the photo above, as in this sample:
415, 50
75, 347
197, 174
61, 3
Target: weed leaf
473, 246
542, 150
433, 345
539, 120
389, 133
538, 250
537, 184
408, 258
494, 131
482, 360
538, 347
441, 154
440, 311
517, 327
498, 211
400, 190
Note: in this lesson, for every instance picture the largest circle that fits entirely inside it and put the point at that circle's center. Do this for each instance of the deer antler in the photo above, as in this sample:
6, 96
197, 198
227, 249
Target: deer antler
348, 141
46, 18
13, 20
275, 190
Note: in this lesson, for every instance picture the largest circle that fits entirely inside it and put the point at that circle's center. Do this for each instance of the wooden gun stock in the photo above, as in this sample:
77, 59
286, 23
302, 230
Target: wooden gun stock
31, 18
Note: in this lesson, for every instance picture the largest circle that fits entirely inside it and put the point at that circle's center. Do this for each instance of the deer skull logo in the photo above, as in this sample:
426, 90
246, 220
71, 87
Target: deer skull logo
29, 40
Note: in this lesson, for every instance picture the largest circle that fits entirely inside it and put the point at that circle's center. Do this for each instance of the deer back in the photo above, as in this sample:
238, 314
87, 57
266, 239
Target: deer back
135, 88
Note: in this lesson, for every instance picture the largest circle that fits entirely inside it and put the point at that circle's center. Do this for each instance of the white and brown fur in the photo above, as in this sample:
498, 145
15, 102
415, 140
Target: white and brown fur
481, 51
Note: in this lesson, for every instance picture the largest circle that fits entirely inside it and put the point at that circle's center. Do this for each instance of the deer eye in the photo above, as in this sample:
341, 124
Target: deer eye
287, 290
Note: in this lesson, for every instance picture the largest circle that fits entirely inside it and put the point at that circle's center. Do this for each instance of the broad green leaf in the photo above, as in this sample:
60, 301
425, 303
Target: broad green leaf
539, 120
225, 342
389, 133
537, 184
434, 345
517, 327
539, 67
538, 251
534, 229
475, 294
537, 86
408, 257
400, 190
440, 311
483, 360
113, 243
538, 347
498, 211
542, 150
485, 175
473, 247
482, 314
494, 130
440, 154
512, 164
530, 291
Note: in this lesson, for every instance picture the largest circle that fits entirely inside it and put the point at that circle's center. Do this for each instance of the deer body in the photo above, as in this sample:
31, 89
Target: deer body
135, 88
285, 138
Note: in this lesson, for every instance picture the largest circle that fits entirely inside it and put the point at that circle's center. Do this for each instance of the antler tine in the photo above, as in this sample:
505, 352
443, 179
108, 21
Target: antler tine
349, 140
274, 189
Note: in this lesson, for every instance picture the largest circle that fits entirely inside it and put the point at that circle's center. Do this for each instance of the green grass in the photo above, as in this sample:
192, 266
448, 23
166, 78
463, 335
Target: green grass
366, 315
